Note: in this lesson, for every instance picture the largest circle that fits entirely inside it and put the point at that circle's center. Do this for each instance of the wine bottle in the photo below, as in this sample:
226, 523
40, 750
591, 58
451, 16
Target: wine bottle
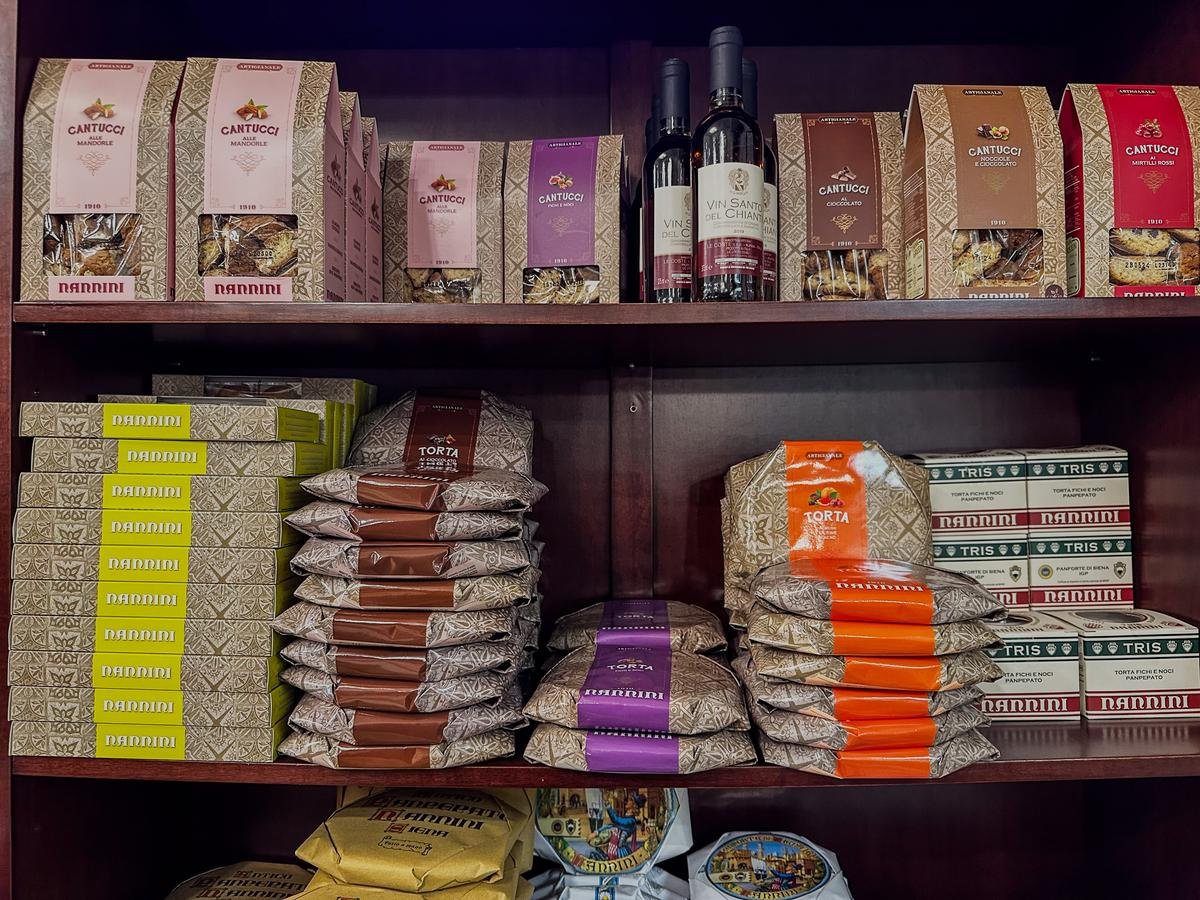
727, 183
770, 185
638, 226
667, 192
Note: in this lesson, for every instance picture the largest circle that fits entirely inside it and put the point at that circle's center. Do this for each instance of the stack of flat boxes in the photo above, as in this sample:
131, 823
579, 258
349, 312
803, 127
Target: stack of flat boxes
150, 555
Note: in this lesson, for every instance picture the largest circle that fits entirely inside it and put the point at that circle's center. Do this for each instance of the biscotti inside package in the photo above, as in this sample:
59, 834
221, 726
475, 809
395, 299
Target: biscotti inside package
562, 220
421, 840
443, 225
983, 194
1132, 197
839, 195
96, 200
261, 182
765, 864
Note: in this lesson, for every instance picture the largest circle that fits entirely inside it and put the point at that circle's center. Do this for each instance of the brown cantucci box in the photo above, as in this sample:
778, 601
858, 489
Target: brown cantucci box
1132, 195
374, 209
839, 198
356, 197
562, 220
260, 193
97, 180
983, 213
443, 237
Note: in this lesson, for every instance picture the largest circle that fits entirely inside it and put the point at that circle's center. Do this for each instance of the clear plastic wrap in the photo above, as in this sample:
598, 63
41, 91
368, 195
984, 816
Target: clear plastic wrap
997, 257
97, 244
846, 275
1154, 256
250, 245
569, 284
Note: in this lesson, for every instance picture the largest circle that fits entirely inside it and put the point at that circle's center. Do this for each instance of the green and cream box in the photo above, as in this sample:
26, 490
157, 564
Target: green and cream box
160, 600
119, 706
169, 421
195, 493
976, 492
1137, 664
1078, 489
175, 565
152, 527
193, 637
162, 742
1040, 662
136, 457
997, 560
144, 671
1086, 569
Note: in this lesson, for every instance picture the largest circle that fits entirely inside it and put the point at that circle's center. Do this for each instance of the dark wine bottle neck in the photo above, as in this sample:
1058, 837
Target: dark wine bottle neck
725, 97
675, 125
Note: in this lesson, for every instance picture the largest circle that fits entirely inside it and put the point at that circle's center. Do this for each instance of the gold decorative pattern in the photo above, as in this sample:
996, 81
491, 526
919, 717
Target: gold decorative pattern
891, 158
79, 739
1048, 174
1099, 207
203, 709
153, 177
204, 601
793, 205
81, 562
68, 668
207, 529
201, 637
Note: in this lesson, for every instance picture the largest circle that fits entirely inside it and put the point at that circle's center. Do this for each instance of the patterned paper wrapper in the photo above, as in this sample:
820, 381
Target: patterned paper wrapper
438, 664
899, 673
645, 623
458, 594
919, 762
384, 695
877, 734
824, 638
637, 752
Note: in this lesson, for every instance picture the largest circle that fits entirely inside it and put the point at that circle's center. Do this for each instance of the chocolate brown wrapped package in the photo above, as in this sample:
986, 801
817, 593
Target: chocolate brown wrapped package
442, 559
372, 728
681, 626
931, 762
898, 673
379, 523
316, 748
567, 748
824, 638
59, 236
544, 218
458, 594
400, 487
385, 695
797, 728
702, 696
407, 665
769, 496
394, 628
846, 703
880, 591
405, 282
417, 429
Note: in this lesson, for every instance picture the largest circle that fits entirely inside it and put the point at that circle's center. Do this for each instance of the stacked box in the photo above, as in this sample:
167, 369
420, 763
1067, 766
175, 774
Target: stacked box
980, 519
1080, 542
1040, 661
1137, 664
150, 554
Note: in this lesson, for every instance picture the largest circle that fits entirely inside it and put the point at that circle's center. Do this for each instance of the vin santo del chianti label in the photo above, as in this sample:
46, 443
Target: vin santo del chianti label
730, 229
672, 237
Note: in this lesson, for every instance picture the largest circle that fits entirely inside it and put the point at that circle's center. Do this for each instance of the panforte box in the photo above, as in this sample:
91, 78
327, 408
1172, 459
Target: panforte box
839, 206
261, 184
998, 560
443, 224
127, 741
198, 493
134, 457
1132, 196
356, 197
96, 200
116, 706
1078, 488
1081, 569
1137, 663
197, 637
159, 528
169, 421
373, 164
1040, 662
562, 220
982, 193
159, 600
176, 565
144, 671
976, 492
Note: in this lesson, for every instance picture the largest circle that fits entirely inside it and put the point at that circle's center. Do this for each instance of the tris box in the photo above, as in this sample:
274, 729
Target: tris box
976, 492
1137, 663
1080, 570
1040, 661
1077, 488
997, 560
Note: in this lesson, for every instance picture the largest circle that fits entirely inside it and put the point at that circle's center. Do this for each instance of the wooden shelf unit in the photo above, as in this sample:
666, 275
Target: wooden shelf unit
640, 410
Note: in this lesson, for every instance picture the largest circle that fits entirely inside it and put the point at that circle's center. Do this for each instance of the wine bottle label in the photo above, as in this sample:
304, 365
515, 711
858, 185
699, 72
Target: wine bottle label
672, 237
771, 234
730, 230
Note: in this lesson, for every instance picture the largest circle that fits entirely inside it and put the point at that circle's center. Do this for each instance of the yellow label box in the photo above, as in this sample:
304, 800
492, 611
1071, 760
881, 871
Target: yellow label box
169, 564
159, 421
162, 457
140, 741
146, 528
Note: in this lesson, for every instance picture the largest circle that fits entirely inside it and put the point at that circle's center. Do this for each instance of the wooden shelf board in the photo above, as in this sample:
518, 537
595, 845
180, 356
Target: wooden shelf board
1030, 752
622, 314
